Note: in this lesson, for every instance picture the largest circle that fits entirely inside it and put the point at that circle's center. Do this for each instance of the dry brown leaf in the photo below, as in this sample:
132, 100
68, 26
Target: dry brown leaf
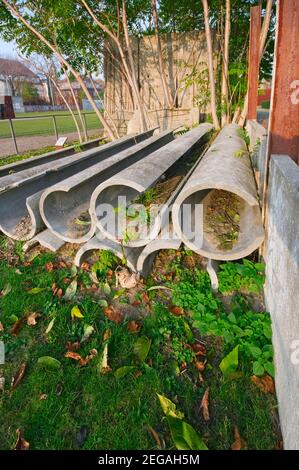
80, 359
133, 326
155, 436
239, 443
19, 375
21, 443
113, 315
59, 293
49, 267
107, 335
92, 354
199, 349
72, 346
204, 406
43, 396
126, 279
136, 303
1, 327
15, 330
31, 318
145, 297
62, 264
200, 365
137, 374
177, 311
66, 280
264, 383
85, 266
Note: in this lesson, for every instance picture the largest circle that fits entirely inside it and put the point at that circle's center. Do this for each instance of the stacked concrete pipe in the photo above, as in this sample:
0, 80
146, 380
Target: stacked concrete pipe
136, 179
20, 192
64, 202
226, 166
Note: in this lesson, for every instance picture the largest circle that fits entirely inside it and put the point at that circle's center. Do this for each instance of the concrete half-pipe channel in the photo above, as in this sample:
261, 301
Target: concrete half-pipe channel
20, 192
64, 207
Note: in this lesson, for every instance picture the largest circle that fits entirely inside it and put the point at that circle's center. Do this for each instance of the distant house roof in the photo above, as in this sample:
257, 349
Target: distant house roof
76, 85
14, 68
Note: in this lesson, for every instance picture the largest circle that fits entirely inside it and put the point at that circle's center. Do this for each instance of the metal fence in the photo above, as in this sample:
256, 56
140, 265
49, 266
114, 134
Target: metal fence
55, 125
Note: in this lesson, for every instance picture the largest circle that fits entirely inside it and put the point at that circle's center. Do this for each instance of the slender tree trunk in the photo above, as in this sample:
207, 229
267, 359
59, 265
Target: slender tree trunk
225, 61
264, 33
143, 121
68, 107
63, 61
210, 65
76, 104
130, 73
167, 94
100, 99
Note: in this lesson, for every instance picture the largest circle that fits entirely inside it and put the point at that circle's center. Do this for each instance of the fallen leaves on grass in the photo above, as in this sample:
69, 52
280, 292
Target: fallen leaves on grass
50, 326
199, 349
204, 406
72, 346
48, 362
21, 443
177, 311
49, 267
1, 327
19, 375
36, 290
133, 326
57, 291
71, 290
200, 365
31, 318
239, 443
88, 330
15, 330
264, 383
156, 437
126, 279
104, 363
113, 315
76, 313
43, 396
82, 361
6, 290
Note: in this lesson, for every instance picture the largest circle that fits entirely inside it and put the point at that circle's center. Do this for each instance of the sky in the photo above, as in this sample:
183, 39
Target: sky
7, 49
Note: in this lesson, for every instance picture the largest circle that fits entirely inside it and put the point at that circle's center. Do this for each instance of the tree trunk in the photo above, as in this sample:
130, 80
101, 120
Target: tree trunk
100, 99
130, 74
77, 105
225, 61
166, 91
210, 65
264, 33
63, 61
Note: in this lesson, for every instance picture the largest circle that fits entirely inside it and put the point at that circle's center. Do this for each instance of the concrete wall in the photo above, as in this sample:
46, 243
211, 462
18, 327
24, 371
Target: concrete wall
183, 53
282, 288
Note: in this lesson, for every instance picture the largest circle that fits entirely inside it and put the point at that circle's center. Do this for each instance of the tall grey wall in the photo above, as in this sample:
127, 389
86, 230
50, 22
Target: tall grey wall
282, 289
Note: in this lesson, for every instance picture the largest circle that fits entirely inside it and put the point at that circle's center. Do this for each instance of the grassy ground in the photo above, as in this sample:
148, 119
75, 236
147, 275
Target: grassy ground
90, 407
44, 126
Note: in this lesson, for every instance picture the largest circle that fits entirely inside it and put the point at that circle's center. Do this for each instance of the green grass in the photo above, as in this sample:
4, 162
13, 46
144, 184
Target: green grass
114, 413
44, 126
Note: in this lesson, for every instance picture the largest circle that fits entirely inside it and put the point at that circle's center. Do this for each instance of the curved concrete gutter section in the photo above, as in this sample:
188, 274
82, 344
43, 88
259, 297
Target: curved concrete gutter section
46, 239
146, 258
96, 244
226, 166
46, 157
136, 179
20, 193
62, 205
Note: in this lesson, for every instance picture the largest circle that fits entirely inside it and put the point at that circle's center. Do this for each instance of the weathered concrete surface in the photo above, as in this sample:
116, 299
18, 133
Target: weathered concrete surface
49, 156
64, 202
47, 239
20, 192
282, 289
99, 243
258, 146
133, 181
147, 255
225, 166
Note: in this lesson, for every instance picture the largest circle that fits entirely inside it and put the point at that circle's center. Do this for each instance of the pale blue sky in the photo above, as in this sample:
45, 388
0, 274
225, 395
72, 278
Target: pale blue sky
7, 49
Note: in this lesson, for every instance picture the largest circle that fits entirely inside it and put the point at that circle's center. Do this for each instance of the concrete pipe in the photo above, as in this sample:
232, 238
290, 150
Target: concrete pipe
132, 182
97, 243
63, 205
147, 255
220, 201
20, 193
46, 157
46, 239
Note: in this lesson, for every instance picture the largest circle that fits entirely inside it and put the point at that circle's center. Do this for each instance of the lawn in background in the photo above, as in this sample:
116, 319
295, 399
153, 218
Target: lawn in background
44, 126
